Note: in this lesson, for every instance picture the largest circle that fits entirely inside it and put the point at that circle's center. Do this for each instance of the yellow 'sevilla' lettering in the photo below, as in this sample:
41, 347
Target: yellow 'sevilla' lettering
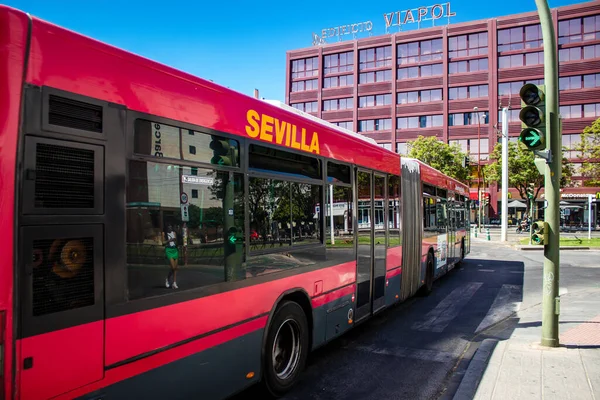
252, 127
266, 128
303, 143
269, 129
314, 144
280, 131
295, 144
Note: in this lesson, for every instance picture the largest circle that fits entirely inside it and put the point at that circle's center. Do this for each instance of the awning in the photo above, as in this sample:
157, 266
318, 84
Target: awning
517, 204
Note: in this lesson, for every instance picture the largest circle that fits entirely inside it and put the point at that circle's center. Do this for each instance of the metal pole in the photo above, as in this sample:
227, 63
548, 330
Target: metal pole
590, 216
504, 233
550, 298
478, 169
331, 214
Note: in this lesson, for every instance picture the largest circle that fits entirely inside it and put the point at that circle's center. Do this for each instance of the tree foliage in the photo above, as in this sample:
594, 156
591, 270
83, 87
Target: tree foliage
589, 149
522, 172
441, 156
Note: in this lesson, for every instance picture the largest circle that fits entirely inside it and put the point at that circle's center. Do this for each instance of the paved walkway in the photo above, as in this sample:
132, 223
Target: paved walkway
517, 367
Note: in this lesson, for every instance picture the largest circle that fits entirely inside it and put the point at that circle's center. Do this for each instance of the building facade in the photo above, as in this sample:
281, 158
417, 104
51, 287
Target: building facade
451, 82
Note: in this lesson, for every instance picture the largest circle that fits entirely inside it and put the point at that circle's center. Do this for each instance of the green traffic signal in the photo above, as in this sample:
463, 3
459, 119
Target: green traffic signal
223, 152
539, 234
533, 138
533, 116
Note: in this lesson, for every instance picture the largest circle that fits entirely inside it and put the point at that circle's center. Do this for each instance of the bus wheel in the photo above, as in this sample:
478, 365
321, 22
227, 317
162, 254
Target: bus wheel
428, 286
287, 348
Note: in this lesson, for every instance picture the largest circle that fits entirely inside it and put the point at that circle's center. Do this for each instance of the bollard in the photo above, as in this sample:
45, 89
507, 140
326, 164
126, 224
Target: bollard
475, 232
488, 233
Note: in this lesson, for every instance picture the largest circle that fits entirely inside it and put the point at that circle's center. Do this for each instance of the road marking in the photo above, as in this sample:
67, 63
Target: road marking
516, 272
485, 270
438, 319
405, 352
507, 301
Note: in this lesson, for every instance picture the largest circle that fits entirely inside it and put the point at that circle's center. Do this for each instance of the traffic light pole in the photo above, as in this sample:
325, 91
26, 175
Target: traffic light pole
550, 298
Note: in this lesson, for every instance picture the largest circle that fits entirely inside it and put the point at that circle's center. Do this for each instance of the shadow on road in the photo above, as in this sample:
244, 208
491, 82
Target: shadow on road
418, 348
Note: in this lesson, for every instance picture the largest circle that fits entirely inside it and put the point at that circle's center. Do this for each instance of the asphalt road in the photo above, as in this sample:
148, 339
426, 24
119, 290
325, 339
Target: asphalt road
419, 349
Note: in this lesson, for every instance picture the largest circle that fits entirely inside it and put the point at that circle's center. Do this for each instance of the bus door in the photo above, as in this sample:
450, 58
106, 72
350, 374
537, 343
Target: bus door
364, 253
371, 248
451, 210
379, 245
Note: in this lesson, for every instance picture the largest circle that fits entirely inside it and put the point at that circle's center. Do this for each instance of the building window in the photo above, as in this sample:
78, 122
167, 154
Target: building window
569, 82
591, 81
375, 57
463, 144
466, 92
469, 118
407, 122
338, 81
369, 125
579, 30
341, 62
378, 76
305, 68
580, 111
402, 148
570, 142
423, 51
458, 67
300, 86
387, 146
308, 107
475, 44
474, 153
375, 101
345, 124
579, 53
512, 116
520, 60
510, 88
423, 121
520, 38
420, 72
422, 96
338, 104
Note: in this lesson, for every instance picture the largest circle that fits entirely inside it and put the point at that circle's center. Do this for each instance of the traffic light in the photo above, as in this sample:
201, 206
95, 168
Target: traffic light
539, 234
533, 116
223, 152
465, 162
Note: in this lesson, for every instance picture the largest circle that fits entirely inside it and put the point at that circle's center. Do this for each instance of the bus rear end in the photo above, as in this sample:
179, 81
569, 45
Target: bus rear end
14, 29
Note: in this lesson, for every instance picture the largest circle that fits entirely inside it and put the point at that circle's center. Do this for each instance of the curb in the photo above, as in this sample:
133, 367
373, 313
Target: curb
529, 248
470, 381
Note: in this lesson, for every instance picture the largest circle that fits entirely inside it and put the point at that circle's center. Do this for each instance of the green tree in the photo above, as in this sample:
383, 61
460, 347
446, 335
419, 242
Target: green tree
441, 156
589, 149
522, 172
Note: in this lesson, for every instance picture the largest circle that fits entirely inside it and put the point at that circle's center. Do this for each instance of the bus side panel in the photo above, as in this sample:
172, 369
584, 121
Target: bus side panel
13, 44
393, 282
132, 335
212, 367
332, 314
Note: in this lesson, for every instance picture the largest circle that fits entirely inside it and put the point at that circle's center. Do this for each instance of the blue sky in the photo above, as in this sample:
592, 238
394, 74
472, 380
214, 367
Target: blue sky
238, 44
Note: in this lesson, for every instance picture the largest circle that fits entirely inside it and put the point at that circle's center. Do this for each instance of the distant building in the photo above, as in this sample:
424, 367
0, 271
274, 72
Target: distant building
398, 86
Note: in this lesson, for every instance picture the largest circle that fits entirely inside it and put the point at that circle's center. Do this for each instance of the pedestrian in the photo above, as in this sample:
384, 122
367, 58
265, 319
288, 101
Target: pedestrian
172, 254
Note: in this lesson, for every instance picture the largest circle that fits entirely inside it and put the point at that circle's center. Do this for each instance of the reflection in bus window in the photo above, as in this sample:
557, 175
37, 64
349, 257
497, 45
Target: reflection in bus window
209, 226
394, 214
283, 213
341, 208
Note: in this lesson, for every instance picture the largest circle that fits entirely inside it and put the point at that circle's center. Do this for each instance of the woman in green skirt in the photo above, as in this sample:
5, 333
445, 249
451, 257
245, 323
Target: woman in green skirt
172, 254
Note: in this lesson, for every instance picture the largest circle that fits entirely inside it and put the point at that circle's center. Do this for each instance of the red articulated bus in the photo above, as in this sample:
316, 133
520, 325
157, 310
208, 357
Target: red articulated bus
166, 237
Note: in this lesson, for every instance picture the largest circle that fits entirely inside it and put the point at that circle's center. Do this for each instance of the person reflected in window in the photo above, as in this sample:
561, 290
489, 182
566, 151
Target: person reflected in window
172, 253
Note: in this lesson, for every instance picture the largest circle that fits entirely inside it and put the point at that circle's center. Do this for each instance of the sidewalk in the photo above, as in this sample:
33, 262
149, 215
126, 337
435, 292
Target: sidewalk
510, 364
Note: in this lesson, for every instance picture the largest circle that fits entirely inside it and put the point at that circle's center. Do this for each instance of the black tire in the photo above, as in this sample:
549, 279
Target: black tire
290, 329
428, 286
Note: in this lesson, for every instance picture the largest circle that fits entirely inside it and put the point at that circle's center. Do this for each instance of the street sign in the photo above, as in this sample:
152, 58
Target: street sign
184, 198
185, 215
